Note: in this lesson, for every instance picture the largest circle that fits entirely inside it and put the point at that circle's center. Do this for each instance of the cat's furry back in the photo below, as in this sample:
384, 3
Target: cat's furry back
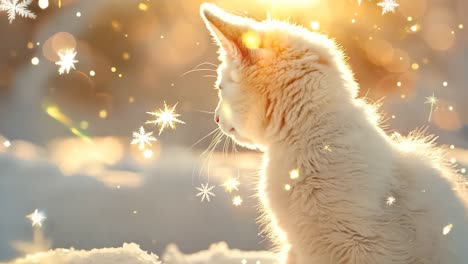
334, 187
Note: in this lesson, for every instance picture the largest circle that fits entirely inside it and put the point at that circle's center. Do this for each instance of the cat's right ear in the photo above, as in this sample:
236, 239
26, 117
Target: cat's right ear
227, 30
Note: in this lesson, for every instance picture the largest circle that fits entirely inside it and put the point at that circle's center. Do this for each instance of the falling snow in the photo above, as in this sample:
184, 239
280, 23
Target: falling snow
67, 60
142, 138
388, 6
16, 7
205, 192
165, 118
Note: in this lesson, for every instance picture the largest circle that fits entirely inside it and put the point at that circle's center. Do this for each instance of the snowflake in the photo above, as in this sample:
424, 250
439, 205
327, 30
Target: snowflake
237, 201
205, 192
390, 200
36, 218
165, 118
142, 138
231, 184
67, 60
12, 7
388, 6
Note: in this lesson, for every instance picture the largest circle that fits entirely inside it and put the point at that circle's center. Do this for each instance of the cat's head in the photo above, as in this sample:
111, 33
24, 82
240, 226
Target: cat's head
272, 76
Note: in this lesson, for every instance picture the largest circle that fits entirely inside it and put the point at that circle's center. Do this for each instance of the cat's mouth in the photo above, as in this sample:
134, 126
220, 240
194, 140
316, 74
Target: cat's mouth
232, 132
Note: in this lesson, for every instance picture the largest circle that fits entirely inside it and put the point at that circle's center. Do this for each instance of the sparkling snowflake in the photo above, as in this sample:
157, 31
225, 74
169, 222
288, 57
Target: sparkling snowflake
446, 230
390, 200
14, 7
205, 192
231, 184
141, 138
165, 118
237, 201
36, 218
67, 60
388, 6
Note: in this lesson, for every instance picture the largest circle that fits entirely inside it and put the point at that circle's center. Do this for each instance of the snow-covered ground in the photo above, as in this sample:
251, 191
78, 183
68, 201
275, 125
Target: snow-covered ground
132, 254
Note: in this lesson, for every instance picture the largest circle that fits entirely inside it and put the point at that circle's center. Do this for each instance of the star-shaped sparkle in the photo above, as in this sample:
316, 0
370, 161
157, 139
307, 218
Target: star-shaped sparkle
205, 192
231, 184
390, 200
141, 138
237, 201
165, 118
432, 100
67, 60
388, 6
36, 218
16, 7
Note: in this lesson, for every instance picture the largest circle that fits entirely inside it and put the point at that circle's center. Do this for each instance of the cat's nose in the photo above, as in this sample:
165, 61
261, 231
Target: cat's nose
216, 119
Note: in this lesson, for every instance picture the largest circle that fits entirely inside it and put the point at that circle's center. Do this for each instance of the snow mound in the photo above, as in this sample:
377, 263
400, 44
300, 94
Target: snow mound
219, 254
132, 254
127, 254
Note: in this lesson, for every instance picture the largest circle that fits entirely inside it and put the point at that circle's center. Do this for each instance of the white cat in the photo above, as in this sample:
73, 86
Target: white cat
334, 187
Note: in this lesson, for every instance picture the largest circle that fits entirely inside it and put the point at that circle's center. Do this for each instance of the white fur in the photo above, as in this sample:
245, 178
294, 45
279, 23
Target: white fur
294, 98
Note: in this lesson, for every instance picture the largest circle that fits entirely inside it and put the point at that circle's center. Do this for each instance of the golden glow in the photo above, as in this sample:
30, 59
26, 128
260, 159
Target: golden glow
148, 153
445, 84
447, 229
165, 118
410, 19
142, 6
415, 28
237, 201
231, 184
463, 170
415, 66
251, 40
125, 56
315, 25
294, 174
67, 60
78, 14
92, 73
113, 69
6, 143
84, 125
398, 84
103, 114
460, 26
30, 45
55, 112
287, 187
36, 218
450, 108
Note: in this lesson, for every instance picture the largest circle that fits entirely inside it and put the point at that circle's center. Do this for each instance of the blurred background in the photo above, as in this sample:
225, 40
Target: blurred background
65, 138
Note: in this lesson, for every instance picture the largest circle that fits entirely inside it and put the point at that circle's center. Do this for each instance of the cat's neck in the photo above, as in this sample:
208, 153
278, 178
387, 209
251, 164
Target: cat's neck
321, 139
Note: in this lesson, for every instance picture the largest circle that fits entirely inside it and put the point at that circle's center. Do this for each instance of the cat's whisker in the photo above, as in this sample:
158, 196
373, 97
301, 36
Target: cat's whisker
211, 76
200, 140
196, 70
206, 63
204, 111
210, 154
215, 140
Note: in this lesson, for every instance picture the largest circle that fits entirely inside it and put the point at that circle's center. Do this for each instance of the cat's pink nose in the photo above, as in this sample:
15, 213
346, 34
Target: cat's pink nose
216, 119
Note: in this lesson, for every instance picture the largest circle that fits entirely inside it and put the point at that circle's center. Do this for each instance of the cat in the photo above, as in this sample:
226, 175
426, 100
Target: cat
334, 187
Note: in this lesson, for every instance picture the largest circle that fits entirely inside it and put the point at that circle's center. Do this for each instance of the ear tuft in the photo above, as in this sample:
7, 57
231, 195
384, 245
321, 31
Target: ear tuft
228, 30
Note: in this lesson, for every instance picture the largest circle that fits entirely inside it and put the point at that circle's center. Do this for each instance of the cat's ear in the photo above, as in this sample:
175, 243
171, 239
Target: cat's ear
229, 31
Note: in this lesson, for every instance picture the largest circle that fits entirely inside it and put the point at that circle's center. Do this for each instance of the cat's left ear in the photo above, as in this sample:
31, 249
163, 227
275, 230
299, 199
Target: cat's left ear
231, 31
